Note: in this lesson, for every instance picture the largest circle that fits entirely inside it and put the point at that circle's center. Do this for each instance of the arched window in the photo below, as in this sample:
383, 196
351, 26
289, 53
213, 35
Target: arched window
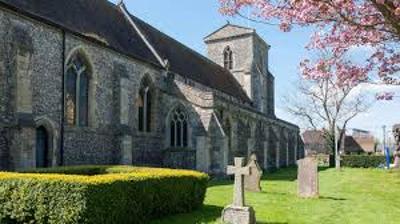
145, 106
179, 128
77, 92
228, 58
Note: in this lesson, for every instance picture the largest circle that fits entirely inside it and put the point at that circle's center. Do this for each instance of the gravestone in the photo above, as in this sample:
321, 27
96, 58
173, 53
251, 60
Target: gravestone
396, 134
238, 213
396, 164
253, 181
396, 155
307, 177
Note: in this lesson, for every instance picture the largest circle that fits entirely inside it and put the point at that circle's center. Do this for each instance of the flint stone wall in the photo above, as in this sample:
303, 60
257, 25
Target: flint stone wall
112, 136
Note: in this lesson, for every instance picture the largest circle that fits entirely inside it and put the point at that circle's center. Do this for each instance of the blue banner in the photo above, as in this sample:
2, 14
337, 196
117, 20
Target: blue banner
387, 153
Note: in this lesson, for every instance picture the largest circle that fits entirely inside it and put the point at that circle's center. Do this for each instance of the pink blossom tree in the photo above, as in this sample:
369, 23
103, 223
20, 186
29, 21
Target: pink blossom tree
325, 98
340, 25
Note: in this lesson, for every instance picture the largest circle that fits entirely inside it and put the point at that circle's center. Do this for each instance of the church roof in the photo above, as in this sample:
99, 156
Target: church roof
98, 19
189, 63
104, 22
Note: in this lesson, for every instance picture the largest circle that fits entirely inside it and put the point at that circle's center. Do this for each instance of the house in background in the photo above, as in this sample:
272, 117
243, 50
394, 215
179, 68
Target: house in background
360, 141
314, 142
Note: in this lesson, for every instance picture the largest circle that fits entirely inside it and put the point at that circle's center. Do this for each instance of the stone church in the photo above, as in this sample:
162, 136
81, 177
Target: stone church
87, 82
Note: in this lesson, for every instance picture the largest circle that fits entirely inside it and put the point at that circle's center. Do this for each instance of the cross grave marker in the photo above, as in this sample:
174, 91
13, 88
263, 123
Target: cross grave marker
237, 213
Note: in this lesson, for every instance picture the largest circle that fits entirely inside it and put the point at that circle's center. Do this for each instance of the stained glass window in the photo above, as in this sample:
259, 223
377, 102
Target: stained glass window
70, 97
83, 99
77, 92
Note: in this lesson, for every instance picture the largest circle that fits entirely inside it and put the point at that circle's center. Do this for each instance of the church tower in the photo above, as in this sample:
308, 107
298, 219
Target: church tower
242, 51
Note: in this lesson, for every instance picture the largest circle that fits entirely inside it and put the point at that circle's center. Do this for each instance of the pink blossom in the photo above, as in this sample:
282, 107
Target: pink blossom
345, 24
344, 72
285, 27
397, 11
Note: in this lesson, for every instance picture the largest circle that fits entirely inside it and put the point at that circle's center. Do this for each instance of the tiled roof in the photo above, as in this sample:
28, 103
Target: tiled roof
104, 22
359, 144
187, 62
313, 137
91, 18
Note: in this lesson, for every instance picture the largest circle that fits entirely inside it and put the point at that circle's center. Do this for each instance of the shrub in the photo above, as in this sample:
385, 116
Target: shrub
117, 194
179, 158
363, 161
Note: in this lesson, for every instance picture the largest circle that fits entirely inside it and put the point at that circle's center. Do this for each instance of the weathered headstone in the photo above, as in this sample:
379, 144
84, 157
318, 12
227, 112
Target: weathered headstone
253, 181
396, 155
396, 134
396, 164
238, 213
307, 177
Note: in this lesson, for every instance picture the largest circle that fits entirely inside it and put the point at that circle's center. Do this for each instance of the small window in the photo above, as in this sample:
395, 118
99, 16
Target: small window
179, 129
228, 58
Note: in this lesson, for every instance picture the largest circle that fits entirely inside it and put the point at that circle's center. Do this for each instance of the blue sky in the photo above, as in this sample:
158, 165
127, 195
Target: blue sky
189, 21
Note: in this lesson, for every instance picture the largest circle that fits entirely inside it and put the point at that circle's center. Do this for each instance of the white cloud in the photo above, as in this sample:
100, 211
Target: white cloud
381, 113
373, 89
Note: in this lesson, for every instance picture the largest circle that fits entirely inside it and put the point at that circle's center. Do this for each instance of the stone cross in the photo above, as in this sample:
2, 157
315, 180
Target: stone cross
237, 213
239, 171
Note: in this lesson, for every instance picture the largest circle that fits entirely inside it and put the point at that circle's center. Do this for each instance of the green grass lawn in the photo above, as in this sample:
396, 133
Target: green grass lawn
359, 196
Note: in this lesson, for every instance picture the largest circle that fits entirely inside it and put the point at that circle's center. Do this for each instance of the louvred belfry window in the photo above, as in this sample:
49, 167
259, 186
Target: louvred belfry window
228, 58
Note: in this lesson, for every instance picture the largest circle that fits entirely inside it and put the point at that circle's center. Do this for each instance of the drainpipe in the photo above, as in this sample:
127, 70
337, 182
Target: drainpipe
61, 162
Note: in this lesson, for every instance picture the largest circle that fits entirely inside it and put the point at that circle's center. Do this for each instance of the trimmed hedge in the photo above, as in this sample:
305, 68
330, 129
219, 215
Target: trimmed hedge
363, 161
118, 194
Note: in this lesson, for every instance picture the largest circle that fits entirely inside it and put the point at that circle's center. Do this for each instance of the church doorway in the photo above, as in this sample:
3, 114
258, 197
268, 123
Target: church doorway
4, 151
42, 147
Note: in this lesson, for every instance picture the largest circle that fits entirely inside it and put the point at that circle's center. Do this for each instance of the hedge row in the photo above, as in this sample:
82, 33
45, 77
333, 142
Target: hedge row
363, 161
110, 195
